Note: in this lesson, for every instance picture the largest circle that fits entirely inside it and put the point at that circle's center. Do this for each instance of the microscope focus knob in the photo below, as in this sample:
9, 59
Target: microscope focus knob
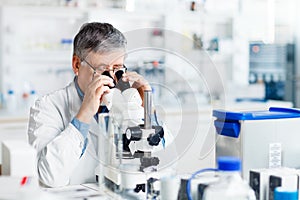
153, 139
134, 133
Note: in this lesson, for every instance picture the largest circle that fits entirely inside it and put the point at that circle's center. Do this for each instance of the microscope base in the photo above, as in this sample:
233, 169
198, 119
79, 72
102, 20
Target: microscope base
126, 179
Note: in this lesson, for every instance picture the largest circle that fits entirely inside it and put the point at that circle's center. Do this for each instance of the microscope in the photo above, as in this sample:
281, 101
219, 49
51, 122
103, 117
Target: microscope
130, 141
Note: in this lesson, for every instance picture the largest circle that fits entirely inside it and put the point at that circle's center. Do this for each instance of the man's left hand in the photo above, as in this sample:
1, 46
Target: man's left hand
139, 82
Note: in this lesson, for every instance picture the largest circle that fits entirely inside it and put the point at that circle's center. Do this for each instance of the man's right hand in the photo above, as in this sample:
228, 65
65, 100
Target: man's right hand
93, 97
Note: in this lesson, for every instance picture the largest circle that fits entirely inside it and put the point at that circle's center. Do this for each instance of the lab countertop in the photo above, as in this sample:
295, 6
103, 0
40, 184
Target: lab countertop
84, 191
16, 116
11, 189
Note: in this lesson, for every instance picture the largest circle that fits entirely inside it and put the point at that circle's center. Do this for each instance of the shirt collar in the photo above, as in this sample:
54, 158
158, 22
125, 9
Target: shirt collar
79, 92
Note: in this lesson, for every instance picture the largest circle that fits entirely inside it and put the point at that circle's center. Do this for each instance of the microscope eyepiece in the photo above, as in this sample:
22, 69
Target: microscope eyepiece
106, 73
121, 85
119, 74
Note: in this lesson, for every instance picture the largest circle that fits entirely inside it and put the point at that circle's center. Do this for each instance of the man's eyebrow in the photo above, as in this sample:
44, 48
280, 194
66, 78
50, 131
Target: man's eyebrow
103, 64
118, 64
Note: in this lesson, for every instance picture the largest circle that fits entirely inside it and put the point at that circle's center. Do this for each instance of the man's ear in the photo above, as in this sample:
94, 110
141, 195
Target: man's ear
75, 64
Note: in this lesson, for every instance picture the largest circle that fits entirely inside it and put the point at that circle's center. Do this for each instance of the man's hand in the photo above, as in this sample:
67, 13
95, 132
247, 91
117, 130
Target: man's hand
93, 96
139, 82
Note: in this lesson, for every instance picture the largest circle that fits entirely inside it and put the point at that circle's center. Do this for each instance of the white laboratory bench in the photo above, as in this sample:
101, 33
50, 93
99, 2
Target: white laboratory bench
12, 190
90, 191
199, 151
83, 191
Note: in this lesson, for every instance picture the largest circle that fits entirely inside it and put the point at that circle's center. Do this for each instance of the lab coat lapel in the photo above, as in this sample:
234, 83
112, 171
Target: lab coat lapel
74, 105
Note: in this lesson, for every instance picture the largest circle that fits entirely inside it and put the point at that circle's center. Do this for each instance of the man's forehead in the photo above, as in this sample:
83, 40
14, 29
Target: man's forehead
108, 58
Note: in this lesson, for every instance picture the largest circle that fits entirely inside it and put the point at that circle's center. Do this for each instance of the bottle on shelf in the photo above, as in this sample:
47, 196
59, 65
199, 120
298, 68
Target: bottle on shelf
28, 99
25, 100
28, 96
231, 186
1, 100
32, 98
11, 101
66, 43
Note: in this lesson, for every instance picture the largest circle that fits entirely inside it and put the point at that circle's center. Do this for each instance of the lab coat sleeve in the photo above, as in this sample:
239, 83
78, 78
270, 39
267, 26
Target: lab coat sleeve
58, 144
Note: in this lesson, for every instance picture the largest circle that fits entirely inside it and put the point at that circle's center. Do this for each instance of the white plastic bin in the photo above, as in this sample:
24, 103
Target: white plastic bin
261, 139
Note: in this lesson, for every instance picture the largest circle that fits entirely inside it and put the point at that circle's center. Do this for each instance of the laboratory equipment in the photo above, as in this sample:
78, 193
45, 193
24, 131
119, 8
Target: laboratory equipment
261, 139
195, 185
259, 182
282, 193
169, 187
274, 66
264, 181
231, 186
18, 159
128, 164
288, 180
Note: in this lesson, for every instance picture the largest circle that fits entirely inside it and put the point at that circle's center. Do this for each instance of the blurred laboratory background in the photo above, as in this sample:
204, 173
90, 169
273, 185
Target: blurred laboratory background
252, 46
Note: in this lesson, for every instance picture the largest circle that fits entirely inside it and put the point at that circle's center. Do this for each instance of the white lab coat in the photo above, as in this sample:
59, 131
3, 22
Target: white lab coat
58, 143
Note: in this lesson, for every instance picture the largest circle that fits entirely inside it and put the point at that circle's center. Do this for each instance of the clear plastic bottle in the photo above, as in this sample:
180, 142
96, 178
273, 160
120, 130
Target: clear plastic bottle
1, 100
231, 186
33, 97
11, 101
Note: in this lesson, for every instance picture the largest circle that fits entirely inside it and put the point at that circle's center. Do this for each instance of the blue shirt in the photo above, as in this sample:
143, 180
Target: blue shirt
82, 127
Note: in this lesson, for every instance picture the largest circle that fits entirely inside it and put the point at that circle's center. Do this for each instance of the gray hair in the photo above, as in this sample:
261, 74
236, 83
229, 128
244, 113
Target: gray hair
99, 38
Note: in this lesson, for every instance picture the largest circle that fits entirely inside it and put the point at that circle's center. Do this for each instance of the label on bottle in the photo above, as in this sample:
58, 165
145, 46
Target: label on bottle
274, 155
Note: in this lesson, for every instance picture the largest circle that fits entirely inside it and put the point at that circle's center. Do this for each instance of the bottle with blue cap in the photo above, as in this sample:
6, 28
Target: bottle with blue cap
231, 186
33, 97
11, 101
1, 100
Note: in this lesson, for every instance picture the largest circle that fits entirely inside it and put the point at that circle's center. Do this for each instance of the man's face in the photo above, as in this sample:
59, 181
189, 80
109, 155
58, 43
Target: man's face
98, 61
